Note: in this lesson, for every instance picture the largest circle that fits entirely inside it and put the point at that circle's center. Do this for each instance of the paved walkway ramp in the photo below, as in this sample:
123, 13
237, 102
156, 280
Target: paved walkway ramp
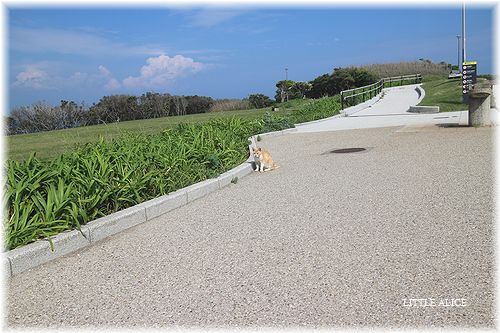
390, 110
327, 240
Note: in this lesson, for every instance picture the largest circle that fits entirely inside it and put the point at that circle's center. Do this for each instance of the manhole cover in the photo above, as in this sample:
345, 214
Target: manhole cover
347, 150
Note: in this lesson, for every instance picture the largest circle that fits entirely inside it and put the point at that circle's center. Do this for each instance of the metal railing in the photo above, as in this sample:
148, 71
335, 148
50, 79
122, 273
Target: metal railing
350, 96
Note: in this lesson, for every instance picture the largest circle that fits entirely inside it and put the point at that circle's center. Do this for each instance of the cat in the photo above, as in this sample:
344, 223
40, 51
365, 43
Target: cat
263, 160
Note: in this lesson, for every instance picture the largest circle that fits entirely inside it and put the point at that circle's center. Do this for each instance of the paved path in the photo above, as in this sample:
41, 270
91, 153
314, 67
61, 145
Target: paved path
327, 240
391, 110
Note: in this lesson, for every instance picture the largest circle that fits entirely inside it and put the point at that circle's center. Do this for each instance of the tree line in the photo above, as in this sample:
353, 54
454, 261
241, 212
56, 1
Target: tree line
353, 77
326, 84
41, 116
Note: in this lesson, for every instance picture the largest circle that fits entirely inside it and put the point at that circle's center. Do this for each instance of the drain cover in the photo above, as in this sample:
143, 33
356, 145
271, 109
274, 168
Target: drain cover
347, 150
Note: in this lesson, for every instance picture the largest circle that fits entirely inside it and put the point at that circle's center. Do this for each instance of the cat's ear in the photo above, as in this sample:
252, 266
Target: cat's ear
259, 149
253, 149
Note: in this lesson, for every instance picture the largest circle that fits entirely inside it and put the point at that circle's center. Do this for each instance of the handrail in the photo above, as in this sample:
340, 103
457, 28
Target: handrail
377, 87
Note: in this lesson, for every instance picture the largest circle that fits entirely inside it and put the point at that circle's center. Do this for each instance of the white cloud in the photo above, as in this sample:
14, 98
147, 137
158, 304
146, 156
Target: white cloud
162, 70
103, 70
40, 76
74, 42
32, 77
112, 84
207, 18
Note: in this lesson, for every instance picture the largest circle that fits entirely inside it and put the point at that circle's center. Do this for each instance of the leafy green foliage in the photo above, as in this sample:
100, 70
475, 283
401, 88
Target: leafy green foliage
340, 79
46, 197
317, 109
259, 101
276, 123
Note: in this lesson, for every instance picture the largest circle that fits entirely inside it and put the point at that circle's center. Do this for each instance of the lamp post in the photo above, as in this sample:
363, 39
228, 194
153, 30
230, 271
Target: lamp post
464, 58
458, 52
286, 84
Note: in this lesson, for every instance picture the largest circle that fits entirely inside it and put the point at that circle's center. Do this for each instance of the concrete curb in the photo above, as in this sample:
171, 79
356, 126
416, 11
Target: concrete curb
424, 109
40, 252
421, 93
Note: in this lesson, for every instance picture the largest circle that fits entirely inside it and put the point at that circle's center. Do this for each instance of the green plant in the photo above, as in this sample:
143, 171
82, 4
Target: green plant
45, 197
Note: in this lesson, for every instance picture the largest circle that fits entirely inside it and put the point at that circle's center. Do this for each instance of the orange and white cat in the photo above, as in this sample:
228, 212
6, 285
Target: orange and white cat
263, 160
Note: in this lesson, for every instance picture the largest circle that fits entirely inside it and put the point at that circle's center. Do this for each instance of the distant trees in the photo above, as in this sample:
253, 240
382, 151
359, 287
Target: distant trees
198, 104
41, 116
288, 89
326, 84
259, 101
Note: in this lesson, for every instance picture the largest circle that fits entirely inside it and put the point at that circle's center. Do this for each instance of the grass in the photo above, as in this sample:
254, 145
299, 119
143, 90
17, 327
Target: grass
443, 92
53, 143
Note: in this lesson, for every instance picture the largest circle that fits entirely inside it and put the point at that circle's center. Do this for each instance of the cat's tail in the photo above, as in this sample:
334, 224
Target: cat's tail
274, 167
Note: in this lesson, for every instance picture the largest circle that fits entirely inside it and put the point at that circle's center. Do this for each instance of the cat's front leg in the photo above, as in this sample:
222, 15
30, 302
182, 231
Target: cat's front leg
261, 167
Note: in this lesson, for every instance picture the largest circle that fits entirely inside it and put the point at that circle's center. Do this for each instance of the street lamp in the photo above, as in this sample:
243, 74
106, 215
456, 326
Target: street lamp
458, 53
464, 58
286, 85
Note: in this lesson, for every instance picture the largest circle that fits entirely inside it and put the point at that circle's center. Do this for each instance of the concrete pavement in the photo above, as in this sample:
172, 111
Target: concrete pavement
327, 240
390, 110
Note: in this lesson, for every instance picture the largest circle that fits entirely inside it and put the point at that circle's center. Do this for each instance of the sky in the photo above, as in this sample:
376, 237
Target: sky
82, 54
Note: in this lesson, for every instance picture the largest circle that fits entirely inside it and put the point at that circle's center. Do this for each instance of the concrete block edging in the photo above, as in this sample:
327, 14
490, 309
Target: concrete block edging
423, 109
37, 253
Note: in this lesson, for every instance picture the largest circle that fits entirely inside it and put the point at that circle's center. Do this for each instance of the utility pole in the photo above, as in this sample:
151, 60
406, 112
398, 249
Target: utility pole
464, 57
458, 52
286, 84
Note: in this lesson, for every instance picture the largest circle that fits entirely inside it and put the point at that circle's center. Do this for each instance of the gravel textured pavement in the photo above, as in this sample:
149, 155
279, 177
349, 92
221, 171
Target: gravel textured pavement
327, 240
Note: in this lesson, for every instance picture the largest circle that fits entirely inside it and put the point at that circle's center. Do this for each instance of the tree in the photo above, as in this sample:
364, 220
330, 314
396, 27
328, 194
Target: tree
259, 101
283, 91
321, 86
300, 89
154, 105
198, 104
179, 104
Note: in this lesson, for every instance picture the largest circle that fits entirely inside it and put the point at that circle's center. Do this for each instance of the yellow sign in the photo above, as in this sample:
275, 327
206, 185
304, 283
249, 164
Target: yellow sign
470, 63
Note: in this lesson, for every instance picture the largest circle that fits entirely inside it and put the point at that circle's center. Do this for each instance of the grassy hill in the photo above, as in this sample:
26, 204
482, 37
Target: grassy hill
443, 92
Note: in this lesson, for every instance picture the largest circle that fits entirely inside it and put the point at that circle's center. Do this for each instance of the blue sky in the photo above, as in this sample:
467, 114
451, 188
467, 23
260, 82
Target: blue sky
84, 54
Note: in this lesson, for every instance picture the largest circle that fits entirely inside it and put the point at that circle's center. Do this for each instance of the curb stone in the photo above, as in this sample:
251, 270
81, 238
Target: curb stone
40, 252
424, 109
116, 222
199, 190
164, 204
